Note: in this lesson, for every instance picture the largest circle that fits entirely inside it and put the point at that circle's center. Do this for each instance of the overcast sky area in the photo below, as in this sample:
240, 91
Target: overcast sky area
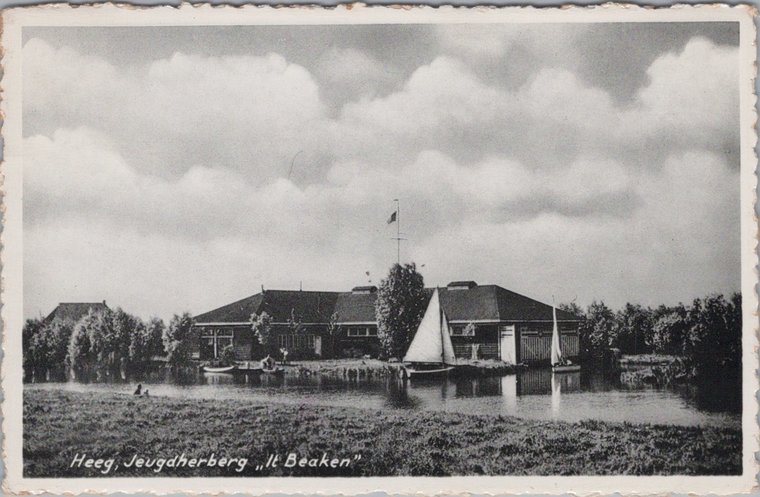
180, 169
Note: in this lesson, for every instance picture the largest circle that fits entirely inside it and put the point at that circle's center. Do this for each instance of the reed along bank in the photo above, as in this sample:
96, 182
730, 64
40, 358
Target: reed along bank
60, 425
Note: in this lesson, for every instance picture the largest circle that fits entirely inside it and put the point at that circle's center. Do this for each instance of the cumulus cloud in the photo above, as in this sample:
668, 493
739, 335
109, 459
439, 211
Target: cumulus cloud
188, 181
240, 112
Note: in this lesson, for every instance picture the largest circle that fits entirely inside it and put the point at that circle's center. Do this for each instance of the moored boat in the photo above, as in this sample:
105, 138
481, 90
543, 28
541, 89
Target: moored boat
274, 371
222, 369
431, 352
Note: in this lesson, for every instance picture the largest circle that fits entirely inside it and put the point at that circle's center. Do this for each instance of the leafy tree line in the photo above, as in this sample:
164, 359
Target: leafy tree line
104, 344
705, 335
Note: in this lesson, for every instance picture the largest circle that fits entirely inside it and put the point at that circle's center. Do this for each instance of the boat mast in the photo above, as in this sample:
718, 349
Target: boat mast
440, 326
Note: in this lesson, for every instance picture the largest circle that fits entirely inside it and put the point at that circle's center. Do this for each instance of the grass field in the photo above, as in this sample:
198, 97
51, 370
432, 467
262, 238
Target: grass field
59, 425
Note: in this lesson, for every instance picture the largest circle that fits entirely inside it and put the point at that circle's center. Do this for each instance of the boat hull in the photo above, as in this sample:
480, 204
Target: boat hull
570, 368
275, 371
412, 372
226, 369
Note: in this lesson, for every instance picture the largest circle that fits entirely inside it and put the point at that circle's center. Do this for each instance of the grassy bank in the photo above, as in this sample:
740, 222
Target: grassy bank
59, 425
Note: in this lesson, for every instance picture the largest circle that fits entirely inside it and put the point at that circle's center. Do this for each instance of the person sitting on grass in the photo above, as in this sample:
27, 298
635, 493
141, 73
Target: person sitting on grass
139, 389
147, 393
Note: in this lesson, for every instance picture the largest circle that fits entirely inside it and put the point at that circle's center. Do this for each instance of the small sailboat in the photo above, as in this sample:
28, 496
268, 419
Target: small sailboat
559, 363
431, 352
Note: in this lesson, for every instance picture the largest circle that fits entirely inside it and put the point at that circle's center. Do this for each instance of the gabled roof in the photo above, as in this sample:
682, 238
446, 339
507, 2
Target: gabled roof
494, 303
74, 311
479, 303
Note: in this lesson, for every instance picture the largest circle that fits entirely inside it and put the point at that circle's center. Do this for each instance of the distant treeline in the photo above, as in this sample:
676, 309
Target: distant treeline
104, 344
706, 335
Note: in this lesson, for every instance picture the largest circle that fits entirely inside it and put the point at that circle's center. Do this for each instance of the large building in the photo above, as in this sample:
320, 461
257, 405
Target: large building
486, 321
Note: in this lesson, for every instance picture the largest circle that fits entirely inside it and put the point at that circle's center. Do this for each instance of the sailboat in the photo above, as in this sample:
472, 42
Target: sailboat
559, 363
431, 352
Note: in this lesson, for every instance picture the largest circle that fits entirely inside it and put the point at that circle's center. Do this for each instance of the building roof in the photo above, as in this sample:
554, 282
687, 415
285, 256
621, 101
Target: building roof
477, 303
281, 305
74, 311
356, 307
236, 312
306, 307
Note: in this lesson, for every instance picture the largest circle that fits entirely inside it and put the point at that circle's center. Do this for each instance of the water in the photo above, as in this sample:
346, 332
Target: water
532, 394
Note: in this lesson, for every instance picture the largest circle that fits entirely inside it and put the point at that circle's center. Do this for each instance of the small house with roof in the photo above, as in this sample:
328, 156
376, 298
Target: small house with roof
73, 312
486, 322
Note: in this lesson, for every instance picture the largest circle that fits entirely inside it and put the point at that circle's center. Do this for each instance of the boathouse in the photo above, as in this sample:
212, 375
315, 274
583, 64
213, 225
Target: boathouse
486, 322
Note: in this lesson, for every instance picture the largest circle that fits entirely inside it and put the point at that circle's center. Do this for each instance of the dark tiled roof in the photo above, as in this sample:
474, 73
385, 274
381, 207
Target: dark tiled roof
308, 307
494, 303
516, 307
479, 303
74, 311
236, 312
356, 307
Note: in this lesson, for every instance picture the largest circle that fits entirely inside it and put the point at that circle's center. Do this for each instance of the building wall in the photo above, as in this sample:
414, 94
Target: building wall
314, 341
535, 341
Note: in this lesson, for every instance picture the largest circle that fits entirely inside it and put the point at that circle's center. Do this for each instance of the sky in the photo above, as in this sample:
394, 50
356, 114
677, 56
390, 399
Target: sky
179, 169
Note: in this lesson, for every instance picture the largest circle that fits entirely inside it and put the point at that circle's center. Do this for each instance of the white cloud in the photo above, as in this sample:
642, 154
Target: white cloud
234, 111
169, 186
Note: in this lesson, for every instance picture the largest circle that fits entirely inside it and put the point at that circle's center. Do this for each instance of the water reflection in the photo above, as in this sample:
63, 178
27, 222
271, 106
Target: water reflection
532, 393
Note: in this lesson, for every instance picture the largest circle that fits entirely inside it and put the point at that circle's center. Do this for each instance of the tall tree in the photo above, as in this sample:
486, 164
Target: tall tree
30, 354
263, 338
179, 340
81, 358
597, 331
669, 328
634, 331
400, 305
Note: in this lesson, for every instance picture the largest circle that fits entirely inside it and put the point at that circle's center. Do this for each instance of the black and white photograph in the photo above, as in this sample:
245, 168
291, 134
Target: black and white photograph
379, 242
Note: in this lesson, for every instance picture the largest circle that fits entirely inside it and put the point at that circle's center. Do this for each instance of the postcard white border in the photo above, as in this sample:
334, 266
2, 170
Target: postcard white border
112, 15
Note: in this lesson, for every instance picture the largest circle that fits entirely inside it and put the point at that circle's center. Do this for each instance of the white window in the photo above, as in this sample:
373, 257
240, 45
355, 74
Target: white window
361, 331
462, 330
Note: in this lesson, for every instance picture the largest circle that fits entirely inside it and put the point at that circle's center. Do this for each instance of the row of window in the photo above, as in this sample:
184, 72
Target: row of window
292, 342
371, 331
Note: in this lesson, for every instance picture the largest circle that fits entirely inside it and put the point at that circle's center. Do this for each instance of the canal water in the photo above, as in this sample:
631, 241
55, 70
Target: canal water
532, 394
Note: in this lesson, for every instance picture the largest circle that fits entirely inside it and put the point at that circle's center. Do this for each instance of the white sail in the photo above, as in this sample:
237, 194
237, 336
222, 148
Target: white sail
449, 357
556, 347
431, 342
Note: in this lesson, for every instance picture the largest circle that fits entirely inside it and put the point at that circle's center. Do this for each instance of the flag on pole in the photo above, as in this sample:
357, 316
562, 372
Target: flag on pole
393, 218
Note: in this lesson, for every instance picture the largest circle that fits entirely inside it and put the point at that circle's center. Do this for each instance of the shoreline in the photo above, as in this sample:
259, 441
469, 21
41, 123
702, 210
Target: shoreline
370, 368
59, 425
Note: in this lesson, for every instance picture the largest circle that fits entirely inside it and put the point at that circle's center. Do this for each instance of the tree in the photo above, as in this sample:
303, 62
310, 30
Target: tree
333, 330
155, 337
669, 328
634, 331
597, 331
712, 348
30, 357
140, 352
80, 357
263, 338
400, 305
179, 340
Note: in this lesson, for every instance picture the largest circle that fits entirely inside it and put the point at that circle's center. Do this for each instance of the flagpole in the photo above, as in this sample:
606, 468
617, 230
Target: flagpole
398, 233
